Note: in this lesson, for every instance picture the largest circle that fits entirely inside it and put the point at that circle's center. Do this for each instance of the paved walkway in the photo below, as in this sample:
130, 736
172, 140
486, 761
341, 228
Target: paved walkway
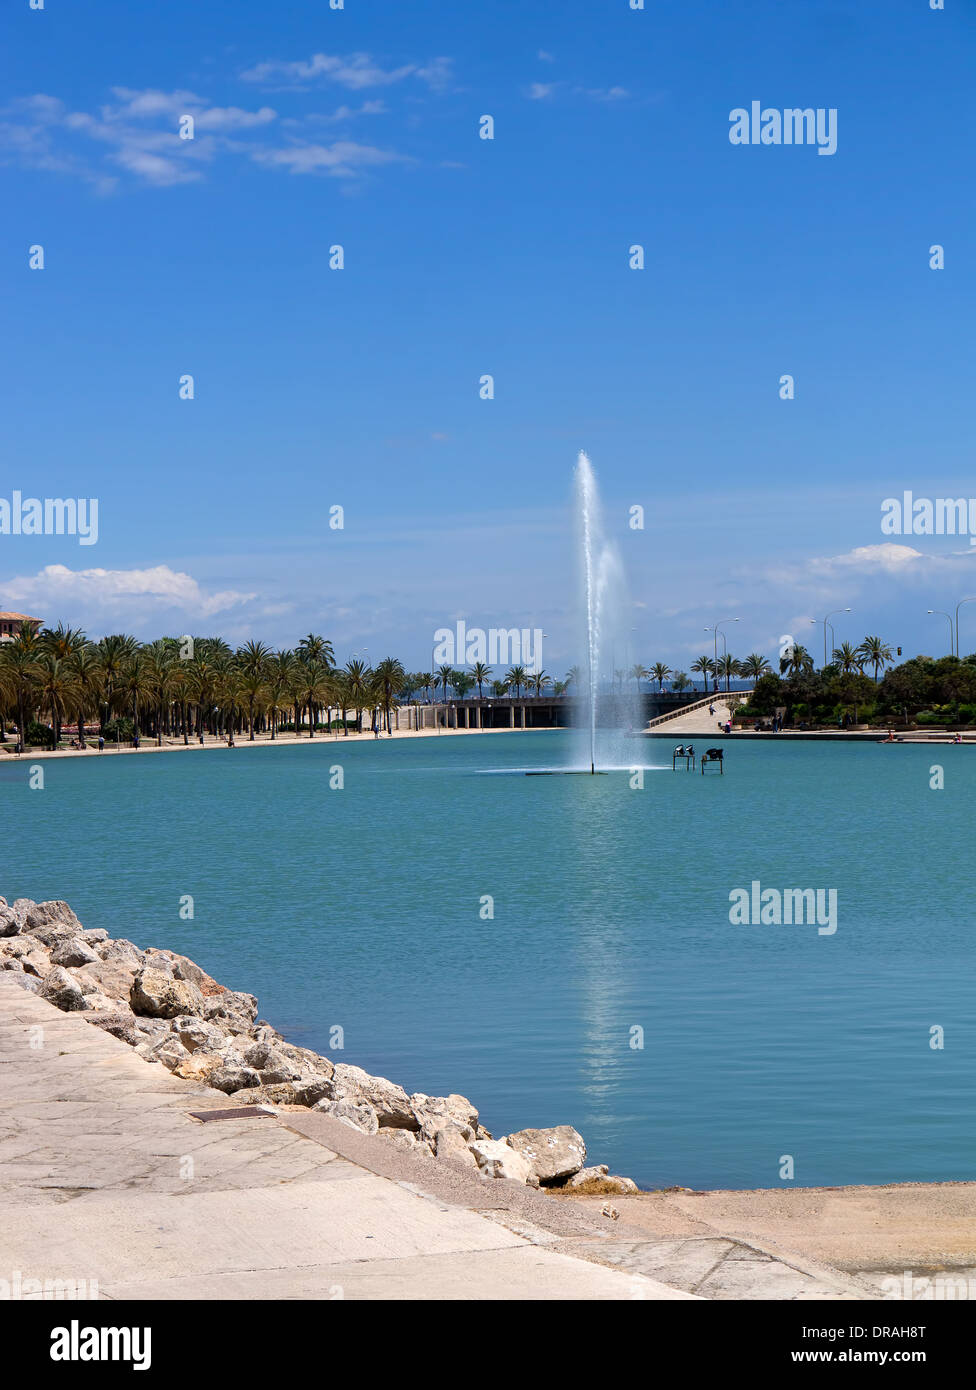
106, 1176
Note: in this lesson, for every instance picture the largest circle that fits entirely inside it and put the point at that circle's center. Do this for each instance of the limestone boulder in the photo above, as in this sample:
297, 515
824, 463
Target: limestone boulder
355, 1113
73, 952
310, 1090
197, 1066
169, 1051
50, 914
62, 990
36, 961
110, 977
10, 922
391, 1102
433, 1112
232, 1005
120, 1024
231, 1076
453, 1141
552, 1154
159, 995
272, 1065
197, 1035
122, 952
496, 1159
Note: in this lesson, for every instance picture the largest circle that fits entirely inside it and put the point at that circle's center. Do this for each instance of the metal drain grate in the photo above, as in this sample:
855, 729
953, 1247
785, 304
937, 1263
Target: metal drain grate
239, 1112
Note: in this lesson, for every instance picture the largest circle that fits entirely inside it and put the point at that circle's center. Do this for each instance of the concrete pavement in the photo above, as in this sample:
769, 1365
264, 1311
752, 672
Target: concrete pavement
106, 1176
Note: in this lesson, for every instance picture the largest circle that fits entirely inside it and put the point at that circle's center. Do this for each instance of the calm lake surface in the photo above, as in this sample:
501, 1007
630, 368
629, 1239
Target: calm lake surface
360, 907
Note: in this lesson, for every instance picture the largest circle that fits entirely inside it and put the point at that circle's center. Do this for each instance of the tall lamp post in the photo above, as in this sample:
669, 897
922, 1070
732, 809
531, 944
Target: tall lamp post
826, 623
940, 612
714, 630
958, 606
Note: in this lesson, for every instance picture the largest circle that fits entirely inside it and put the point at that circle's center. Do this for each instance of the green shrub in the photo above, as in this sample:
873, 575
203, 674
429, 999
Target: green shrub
118, 730
38, 733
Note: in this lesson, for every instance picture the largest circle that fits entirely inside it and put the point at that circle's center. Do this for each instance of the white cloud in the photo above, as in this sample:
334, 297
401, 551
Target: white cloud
100, 594
869, 559
139, 133
356, 72
540, 91
341, 159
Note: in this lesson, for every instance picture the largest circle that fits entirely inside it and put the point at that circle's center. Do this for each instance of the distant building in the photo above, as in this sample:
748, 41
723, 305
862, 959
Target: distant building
11, 623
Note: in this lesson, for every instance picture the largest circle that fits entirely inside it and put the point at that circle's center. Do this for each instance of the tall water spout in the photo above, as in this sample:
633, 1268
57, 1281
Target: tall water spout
586, 494
605, 634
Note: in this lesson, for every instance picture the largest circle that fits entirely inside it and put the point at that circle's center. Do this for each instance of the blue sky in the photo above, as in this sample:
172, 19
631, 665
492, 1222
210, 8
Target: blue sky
360, 387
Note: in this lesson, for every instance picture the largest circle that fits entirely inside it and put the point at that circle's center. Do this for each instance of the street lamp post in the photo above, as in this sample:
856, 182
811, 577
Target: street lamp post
715, 635
958, 606
826, 624
940, 612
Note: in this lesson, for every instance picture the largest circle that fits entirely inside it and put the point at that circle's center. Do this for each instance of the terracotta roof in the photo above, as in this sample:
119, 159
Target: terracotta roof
18, 617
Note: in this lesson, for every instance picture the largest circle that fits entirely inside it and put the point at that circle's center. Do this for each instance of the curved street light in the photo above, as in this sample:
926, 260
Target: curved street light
940, 612
958, 606
826, 623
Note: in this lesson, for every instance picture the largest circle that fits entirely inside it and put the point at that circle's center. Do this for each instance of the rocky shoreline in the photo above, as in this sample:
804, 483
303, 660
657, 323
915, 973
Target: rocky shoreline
172, 1013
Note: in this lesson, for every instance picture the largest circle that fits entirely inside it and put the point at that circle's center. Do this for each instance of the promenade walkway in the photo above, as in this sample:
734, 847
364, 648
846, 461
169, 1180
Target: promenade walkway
106, 1176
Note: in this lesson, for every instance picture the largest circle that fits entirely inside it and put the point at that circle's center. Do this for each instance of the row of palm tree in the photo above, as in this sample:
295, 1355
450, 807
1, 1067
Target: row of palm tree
182, 686
847, 659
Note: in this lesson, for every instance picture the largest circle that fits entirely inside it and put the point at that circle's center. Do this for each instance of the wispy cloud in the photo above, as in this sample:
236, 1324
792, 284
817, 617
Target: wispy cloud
356, 72
541, 91
137, 133
342, 159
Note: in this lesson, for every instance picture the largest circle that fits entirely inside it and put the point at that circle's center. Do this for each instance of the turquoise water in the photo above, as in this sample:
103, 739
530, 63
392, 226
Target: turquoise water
360, 907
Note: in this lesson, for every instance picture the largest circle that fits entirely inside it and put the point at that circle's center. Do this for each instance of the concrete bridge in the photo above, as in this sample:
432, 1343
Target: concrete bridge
545, 711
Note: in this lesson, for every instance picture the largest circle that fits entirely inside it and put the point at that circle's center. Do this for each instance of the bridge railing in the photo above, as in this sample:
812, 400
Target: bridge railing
733, 698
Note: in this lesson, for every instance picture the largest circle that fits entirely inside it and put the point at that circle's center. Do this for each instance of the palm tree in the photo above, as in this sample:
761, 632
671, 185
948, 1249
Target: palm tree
20, 659
639, 673
753, 666
848, 658
87, 672
113, 653
499, 689
252, 661
679, 682
538, 682
876, 651
462, 681
357, 685
727, 667
62, 641
660, 673
56, 688
445, 674
280, 674
480, 673
313, 649
391, 679
517, 676
227, 692
315, 686
137, 684
573, 676
796, 660
703, 665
